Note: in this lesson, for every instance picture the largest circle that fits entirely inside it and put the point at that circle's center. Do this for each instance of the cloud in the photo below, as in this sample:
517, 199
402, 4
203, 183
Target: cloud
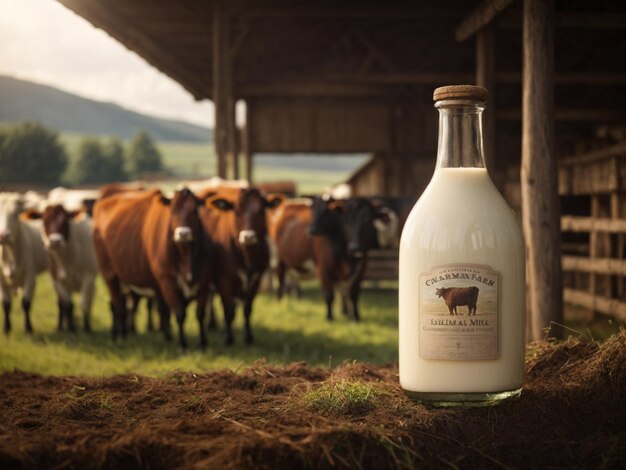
43, 41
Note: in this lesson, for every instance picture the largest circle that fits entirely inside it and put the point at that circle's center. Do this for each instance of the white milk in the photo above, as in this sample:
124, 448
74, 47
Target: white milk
461, 219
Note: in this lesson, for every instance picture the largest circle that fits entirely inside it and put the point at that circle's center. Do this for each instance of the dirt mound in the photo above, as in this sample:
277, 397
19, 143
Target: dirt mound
571, 414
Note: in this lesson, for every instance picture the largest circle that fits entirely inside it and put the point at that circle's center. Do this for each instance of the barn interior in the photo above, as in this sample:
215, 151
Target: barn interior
357, 77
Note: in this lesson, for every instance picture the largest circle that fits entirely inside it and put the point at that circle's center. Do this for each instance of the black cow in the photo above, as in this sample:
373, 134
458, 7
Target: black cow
348, 230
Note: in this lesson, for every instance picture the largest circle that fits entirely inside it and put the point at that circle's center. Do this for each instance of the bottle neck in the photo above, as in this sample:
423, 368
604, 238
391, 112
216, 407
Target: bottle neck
460, 134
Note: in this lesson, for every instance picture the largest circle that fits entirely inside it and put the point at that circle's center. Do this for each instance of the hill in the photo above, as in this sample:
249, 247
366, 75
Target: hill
22, 100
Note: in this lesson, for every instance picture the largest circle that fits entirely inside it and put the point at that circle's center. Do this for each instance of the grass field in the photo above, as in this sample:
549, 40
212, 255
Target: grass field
197, 160
285, 331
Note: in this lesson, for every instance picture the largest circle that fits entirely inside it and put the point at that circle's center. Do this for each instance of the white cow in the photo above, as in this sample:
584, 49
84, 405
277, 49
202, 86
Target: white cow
215, 182
387, 228
72, 199
22, 257
68, 238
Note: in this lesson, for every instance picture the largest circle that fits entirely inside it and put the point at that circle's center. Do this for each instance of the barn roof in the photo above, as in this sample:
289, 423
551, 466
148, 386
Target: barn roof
357, 76
347, 46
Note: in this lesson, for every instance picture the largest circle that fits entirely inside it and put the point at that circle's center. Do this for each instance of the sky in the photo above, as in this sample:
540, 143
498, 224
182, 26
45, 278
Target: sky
44, 42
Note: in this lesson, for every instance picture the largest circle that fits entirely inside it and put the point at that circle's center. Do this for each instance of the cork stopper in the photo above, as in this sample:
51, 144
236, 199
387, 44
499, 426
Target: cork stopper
461, 92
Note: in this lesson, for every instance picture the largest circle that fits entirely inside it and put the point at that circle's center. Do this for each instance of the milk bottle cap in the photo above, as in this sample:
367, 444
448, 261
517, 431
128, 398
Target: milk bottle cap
461, 92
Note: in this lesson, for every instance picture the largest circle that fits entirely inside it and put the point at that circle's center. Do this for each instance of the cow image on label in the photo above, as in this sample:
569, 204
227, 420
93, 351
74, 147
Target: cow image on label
462, 273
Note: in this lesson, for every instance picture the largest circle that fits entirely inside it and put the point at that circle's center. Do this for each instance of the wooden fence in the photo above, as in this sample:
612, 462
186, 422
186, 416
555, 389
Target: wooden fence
593, 186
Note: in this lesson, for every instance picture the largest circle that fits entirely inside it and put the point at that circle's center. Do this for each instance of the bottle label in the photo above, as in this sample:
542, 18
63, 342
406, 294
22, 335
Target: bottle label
458, 312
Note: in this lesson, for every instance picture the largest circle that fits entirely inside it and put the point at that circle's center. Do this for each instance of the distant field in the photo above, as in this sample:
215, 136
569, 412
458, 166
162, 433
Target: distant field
312, 174
285, 331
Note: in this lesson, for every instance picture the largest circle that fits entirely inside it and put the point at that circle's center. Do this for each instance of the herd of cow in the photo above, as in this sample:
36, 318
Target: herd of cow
217, 238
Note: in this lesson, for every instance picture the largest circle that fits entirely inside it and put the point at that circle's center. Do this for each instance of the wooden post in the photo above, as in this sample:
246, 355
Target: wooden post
224, 133
539, 179
599, 247
485, 76
617, 213
245, 149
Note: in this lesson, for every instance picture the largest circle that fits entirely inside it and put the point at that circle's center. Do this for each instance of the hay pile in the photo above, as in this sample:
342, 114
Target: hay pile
572, 413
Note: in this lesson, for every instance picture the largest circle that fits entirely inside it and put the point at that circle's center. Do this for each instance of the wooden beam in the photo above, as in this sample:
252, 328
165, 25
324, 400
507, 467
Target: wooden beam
574, 78
571, 115
312, 89
377, 12
570, 223
224, 132
241, 36
422, 78
586, 20
607, 306
479, 18
539, 177
485, 76
598, 155
612, 266
247, 154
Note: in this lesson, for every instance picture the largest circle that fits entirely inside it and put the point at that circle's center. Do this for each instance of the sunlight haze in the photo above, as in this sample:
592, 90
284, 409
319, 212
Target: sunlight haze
44, 42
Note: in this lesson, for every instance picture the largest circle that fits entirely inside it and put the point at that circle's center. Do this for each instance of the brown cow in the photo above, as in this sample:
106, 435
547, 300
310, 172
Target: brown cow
133, 297
329, 234
117, 188
293, 246
149, 242
235, 221
458, 296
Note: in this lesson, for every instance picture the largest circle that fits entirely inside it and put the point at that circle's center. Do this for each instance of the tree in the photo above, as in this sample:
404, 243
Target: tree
31, 153
91, 166
115, 157
143, 156
98, 162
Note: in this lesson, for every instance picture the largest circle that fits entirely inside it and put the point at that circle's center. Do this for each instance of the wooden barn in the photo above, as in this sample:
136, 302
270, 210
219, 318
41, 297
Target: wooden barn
357, 76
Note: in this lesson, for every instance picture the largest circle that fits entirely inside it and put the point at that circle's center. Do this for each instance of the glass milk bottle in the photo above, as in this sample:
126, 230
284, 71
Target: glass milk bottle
462, 274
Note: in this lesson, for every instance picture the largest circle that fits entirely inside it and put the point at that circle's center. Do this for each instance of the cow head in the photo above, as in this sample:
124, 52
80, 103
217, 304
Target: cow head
325, 217
249, 210
184, 221
10, 208
56, 224
184, 226
358, 223
440, 291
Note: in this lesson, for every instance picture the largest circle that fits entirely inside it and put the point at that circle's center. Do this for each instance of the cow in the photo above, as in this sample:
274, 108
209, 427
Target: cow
387, 226
73, 199
212, 184
117, 188
348, 227
154, 245
331, 236
290, 243
22, 257
133, 297
458, 296
72, 259
235, 221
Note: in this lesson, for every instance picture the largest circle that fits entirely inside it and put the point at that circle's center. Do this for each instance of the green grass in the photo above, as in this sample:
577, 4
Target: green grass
341, 397
285, 331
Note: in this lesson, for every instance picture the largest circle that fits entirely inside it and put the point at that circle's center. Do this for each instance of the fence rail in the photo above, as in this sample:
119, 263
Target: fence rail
595, 265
